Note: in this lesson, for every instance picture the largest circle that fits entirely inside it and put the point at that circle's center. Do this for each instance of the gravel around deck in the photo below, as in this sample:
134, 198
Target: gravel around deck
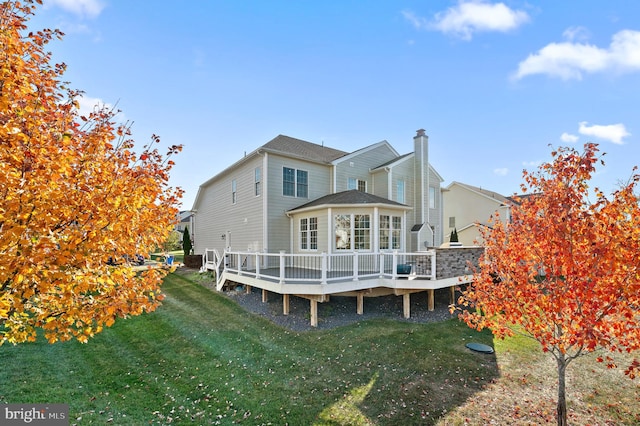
340, 310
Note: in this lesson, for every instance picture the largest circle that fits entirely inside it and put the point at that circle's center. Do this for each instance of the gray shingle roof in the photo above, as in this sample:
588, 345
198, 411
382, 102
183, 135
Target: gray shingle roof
350, 197
310, 151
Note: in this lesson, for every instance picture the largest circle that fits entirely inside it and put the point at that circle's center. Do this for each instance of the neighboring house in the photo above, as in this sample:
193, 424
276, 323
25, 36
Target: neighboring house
298, 218
467, 208
185, 220
298, 196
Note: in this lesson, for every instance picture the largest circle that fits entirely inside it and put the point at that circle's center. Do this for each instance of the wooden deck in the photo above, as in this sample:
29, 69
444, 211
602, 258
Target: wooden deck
318, 277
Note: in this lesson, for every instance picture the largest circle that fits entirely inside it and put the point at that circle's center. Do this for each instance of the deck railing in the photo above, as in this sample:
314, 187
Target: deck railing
323, 268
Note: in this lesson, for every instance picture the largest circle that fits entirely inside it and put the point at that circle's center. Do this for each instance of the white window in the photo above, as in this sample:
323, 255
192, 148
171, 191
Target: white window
396, 232
400, 191
234, 192
258, 181
362, 232
288, 182
309, 233
302, 184
352, 232
343, 231
359, 184
432, 197
390, 232
295, 183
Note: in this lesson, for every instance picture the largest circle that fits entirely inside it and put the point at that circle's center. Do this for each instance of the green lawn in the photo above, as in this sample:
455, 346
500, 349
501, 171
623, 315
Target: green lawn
201, 359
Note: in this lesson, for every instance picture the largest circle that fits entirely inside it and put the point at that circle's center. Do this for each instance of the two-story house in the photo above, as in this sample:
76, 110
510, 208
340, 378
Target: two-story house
467, 208
295, 196
298, 218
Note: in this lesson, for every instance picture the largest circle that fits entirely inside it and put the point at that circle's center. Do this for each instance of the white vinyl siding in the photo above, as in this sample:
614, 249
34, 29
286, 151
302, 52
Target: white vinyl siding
242, 221
358, 166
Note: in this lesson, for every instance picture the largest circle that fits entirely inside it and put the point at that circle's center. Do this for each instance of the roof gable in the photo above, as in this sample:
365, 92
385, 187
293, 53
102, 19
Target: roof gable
361, 151
492, 195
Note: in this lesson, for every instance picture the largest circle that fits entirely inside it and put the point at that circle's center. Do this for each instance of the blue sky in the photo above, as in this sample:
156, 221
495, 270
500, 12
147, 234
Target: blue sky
493, 83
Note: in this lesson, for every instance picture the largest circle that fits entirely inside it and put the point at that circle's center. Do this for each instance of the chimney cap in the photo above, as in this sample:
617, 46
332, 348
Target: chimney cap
420, 132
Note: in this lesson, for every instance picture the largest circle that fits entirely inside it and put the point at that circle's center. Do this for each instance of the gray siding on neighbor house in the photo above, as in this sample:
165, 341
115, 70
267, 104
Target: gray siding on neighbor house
278, 224
359, 165
241, 222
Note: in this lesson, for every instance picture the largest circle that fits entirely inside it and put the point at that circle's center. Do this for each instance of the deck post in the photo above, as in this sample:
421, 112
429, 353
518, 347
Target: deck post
453, 294
406, 304
381, 265
323, 278
314, 312
247, 289
355, 266
239, 264
285, 304
394, 265
258, 265
265, 295
430, 298
282, 252
360, 303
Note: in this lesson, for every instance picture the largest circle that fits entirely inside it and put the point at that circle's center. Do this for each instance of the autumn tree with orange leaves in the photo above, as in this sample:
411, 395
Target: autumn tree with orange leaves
73, 195
564, 271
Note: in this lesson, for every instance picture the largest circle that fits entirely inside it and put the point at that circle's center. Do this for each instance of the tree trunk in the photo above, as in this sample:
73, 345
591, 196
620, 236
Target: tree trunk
562, 400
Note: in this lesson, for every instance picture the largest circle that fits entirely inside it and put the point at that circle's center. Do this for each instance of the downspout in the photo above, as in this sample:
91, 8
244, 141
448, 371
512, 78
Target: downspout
329, 231
265, 204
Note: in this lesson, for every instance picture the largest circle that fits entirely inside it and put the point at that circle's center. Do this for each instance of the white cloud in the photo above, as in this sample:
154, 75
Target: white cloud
568, 137
576, 33
531, 164
468, 17
569, 60
418, 22
611, 132
88, 105
82, 8
502, 171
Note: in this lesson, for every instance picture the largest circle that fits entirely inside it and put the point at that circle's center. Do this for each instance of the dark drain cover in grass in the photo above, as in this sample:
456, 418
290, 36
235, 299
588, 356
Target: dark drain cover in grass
479, 347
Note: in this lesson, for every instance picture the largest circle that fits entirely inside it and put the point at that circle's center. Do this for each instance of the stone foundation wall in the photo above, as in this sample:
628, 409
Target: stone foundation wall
452, 262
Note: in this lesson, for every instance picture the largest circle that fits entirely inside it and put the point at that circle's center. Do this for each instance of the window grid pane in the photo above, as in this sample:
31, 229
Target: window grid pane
313, 233
362, 232
303, 234
258, 180
343, 232
234, 193
302, 184
384, 232
288, 181
396, 232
